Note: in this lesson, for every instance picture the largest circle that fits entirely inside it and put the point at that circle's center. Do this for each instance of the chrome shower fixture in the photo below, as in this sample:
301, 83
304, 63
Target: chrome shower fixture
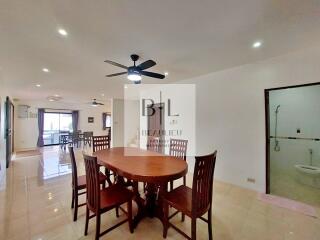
276, 146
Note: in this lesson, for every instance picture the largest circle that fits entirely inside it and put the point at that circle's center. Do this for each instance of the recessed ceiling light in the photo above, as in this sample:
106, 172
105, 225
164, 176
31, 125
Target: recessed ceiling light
257, 44
57, 95
38, 85
54, 98
62, 32
55, 210
102, 94
45, 70
125, 86
166, 73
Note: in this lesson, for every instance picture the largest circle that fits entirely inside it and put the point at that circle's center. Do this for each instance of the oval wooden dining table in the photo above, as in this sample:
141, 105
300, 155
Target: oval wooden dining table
139, 165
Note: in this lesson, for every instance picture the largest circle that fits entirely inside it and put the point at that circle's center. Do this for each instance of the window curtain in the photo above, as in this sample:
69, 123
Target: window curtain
104, 119
75, 120
40, 142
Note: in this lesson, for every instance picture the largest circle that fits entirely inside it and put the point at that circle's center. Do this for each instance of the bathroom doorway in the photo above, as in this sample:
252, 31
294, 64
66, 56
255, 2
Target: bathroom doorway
293, 142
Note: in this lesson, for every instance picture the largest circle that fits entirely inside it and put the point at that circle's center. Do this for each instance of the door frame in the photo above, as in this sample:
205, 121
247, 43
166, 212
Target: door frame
9, 109
267, 128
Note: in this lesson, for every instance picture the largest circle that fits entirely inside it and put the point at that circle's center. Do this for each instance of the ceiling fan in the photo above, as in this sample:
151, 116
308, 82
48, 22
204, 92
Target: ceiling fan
94, 103
135, 72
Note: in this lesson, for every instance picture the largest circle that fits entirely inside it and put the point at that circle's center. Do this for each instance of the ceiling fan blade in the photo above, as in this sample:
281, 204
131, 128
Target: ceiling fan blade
152, 74
116, 64
147, 64
116, 74
99, 103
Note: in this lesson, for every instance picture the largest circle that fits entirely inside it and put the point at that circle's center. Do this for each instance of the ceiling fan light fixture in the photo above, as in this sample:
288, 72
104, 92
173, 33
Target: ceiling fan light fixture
135, 72
134, 77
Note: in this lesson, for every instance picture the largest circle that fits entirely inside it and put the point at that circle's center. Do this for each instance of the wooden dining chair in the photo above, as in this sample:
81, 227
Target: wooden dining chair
63, 141
76, 139
193, 202
101, 201
87, 138
153, 144
79, 184
101, 143
178, 148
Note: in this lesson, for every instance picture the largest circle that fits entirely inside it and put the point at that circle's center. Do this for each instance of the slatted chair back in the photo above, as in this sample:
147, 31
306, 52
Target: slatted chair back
202, 183
87, 135
153, 144
178, 148
93, 185
73, 166
100, 142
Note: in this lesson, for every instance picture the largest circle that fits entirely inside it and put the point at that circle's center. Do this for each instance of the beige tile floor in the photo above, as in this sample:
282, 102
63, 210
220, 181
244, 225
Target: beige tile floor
287, 185
36, 205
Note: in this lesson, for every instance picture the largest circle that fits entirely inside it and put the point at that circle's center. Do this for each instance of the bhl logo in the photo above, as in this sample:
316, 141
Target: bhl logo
149, 108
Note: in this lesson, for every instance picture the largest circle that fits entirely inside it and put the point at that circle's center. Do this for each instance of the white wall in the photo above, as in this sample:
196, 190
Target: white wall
26, 130
3, 95
117, 123
2, 141
231, 117
131, 122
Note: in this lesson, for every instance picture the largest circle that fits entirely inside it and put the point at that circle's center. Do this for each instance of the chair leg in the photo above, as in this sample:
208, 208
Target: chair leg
75, 216
130, 215
194, 229
87, 222
117, 212
165, 219
72, 202
98, 219
210, 223
184, 184
107, 173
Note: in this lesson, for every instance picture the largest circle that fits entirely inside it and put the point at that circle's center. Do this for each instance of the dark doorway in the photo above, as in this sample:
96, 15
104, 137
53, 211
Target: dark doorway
9, 109
156, 124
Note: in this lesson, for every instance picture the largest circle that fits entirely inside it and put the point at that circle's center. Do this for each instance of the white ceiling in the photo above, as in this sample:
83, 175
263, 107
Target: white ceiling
187, 38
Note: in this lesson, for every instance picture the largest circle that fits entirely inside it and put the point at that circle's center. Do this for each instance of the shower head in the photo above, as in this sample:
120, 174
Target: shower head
277, 109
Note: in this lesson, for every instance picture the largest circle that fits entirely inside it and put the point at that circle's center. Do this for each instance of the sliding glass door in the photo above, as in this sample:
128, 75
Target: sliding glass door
54, 125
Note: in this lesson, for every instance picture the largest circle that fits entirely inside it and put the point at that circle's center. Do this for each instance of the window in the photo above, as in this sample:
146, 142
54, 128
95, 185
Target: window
54, 124
106, 120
